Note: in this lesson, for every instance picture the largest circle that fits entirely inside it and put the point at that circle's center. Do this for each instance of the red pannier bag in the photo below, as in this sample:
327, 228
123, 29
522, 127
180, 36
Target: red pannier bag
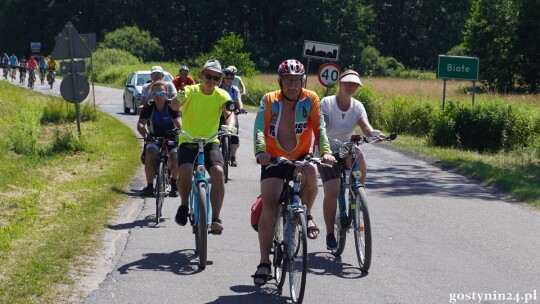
256, 210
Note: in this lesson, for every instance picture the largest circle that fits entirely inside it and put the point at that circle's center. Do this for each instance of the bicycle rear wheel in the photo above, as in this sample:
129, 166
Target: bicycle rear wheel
280, 263
362, 230
201, 233
297, 256
225, 153
161, 185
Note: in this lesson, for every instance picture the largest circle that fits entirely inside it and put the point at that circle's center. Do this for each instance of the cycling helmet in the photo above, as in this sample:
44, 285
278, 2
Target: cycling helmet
233, 69
291, 67
183, 68
228, 71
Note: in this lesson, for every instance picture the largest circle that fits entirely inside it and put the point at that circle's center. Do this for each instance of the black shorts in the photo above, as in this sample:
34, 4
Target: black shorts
281, 171
333, 172
187, 154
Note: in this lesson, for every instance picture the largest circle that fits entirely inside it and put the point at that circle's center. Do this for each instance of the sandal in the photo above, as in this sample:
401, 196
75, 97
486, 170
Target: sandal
312, 231
264, 276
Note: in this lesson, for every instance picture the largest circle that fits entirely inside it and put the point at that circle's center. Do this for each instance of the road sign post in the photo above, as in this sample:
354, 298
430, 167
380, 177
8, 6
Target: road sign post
70, 45
458, 67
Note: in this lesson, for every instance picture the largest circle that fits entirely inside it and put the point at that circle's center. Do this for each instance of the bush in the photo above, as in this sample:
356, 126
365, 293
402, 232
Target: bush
373, 64
107, 58
135, 41
228, 50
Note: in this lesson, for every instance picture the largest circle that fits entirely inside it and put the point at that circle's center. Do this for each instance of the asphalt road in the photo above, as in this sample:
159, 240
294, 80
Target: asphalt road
438, 237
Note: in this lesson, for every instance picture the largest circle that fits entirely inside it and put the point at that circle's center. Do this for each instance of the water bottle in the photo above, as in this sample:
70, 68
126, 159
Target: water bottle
347, 177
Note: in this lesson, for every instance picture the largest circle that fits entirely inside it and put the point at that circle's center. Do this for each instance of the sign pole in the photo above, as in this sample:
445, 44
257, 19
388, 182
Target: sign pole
473, 89
307, 72
93, 90
444, 94
74, 80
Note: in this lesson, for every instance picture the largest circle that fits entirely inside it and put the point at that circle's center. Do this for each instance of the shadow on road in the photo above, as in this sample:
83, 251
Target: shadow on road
325, 263
131, 193
148, 221
268, 293
398, 181
181, 262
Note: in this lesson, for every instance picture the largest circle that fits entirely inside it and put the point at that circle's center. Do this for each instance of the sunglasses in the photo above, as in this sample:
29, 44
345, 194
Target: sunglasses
211, 77
228, 78
160, 93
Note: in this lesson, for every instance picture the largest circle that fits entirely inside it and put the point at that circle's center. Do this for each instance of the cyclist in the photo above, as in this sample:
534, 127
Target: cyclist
202, 105
23, 65
51, 66
42, 68
156, 73
32, 66
238, 80
157, 117
13, 62
183, 78
285, 124
342, 113
226, 84
5, 64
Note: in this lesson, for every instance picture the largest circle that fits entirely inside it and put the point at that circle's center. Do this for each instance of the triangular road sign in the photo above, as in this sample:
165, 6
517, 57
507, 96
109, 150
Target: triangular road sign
62, 48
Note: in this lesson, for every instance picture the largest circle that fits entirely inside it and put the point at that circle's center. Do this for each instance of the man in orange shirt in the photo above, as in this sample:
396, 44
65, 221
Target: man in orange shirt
183, 79
285, 124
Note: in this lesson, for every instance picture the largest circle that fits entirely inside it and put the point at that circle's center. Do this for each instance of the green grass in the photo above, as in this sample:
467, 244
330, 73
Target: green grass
51, 212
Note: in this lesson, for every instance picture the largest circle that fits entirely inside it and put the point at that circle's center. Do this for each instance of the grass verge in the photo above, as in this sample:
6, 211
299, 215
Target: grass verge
58, 199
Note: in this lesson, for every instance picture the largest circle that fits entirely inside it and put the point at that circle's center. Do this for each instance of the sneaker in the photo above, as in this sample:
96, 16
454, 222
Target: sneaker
147, 191
331, 243
182, 215
174, 190
233, 161
216, 227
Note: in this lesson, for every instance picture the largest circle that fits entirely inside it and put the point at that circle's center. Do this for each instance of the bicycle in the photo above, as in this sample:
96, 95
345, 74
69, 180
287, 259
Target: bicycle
22, 75
50, 78
199, 198
42, 75
13, 73
31, 78
289, 245
355, 214
225, 147
6, 72
163, 173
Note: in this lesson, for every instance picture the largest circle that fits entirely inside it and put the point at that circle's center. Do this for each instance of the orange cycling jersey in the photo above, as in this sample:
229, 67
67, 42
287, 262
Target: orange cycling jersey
308, 122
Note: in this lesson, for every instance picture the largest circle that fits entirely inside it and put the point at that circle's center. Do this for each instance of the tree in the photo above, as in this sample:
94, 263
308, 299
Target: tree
490, 35
137, 42
528, 44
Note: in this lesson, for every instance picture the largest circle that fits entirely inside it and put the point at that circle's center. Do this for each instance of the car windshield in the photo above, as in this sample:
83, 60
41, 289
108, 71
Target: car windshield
143, 78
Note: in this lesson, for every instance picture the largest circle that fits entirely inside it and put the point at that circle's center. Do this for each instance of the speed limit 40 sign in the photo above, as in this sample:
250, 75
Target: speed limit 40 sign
328, 74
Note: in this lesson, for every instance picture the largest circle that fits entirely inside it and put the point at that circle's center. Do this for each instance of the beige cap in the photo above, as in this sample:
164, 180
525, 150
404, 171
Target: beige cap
350, 76
156, 69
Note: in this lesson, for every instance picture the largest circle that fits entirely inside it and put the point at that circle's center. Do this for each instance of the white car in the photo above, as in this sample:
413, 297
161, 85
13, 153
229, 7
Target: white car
133, 89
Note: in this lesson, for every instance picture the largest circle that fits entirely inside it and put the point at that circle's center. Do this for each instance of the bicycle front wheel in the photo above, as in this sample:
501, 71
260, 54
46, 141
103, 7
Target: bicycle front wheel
297, 256
160, 190
225, 153
280, 263
201, 233
340, 228
362, 230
